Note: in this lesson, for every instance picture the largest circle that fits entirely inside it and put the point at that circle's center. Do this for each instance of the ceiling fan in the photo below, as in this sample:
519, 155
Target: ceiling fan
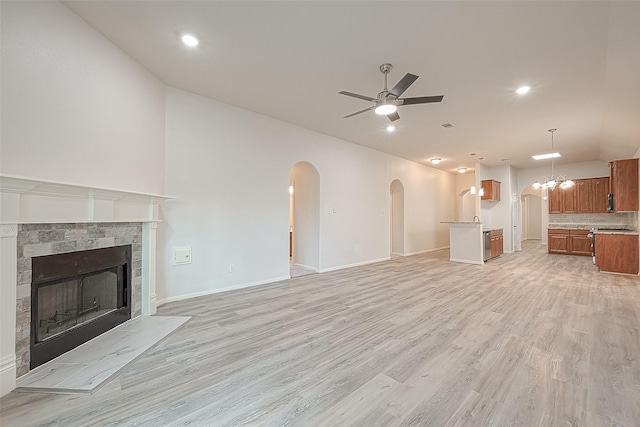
387, 102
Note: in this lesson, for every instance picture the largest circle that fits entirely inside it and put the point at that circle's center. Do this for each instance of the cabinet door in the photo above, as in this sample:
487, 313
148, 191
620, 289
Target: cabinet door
500, 245
580, 244
600, 194
555, 201
495, 190
584, 195
558, 242
490, 190
568, 199
617, 253
624, 185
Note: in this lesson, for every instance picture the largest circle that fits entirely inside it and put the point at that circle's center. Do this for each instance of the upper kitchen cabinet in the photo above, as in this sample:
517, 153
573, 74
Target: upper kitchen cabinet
562, 200
490, 190
623, 185
600, 193
587, 196
584, 195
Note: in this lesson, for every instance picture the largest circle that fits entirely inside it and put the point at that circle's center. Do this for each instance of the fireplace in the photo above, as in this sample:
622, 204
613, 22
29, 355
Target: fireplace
77, 296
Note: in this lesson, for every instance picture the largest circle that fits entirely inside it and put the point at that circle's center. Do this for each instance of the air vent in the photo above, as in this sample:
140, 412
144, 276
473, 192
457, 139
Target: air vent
447, 125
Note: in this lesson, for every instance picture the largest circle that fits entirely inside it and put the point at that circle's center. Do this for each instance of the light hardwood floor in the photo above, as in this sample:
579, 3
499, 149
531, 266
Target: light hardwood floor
529, 339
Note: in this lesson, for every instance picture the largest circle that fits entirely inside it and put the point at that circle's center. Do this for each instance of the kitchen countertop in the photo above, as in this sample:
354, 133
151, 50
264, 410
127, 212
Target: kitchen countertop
599, 228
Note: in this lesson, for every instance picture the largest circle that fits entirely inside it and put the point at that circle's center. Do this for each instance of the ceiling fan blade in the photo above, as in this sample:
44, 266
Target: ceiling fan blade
421, 100
393, 116
359, 112
403, 85
355, 95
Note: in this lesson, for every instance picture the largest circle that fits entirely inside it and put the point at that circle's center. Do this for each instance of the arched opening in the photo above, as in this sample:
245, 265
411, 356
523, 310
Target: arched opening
466, 206
397, 218
532, 218
304, 219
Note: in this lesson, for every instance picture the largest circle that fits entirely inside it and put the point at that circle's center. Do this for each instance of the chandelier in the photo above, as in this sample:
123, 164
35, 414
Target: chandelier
553, 181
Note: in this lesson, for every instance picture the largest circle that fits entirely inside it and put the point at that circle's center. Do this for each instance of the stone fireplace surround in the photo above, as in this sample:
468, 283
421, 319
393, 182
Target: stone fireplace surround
39, 217
48, 239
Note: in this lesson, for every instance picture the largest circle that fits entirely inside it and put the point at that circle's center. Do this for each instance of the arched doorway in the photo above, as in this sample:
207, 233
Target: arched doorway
466, 205
397, 218
304, 219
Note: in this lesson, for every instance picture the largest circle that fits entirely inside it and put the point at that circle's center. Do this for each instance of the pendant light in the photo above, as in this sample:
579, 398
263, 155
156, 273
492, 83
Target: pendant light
553, 181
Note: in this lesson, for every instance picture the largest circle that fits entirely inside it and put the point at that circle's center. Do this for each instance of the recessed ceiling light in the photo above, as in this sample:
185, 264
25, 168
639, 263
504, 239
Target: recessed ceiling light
391, 128
436, 161
462, 170
523, 89
546, 156
190, 40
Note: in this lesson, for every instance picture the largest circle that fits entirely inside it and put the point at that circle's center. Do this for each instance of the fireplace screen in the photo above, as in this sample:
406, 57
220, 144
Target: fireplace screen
77, 296
69, 303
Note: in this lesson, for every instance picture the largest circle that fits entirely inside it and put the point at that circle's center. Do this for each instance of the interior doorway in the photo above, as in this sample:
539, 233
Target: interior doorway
304, 219
397, 218
531, 213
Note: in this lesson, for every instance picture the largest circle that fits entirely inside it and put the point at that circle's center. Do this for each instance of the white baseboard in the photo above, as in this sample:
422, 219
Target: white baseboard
466, 261
7, 374
357, 264
219, 290
306, 267
427, 251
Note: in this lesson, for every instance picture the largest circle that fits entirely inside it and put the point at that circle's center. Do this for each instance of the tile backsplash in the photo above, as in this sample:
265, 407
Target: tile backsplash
617, 219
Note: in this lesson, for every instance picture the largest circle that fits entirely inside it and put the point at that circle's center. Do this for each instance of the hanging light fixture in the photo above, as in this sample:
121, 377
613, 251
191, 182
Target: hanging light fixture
553, 181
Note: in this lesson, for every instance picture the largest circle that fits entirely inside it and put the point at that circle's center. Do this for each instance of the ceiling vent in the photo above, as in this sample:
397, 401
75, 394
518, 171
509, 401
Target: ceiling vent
447, 125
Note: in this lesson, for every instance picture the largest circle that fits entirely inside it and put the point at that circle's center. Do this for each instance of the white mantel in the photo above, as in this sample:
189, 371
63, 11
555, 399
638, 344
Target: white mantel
25, 200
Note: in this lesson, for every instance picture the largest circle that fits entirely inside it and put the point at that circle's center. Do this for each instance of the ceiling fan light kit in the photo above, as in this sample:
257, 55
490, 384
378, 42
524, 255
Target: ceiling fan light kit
388, 101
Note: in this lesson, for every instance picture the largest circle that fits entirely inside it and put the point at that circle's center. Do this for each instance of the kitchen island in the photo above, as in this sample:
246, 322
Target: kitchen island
465, 242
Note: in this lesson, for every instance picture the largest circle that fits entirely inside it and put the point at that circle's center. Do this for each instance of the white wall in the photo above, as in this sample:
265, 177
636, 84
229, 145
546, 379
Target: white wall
499, 214
229, 169
75, 108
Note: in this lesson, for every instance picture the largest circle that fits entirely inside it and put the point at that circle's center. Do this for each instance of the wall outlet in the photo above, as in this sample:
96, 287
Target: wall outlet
232, 268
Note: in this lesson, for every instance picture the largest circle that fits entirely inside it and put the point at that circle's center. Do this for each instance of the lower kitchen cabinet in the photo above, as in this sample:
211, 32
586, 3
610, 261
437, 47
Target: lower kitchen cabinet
497, 243
569, 242
579, 242
558, 241
617, 253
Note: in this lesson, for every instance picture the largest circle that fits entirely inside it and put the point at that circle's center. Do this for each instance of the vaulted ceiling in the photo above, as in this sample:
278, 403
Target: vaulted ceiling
288, 60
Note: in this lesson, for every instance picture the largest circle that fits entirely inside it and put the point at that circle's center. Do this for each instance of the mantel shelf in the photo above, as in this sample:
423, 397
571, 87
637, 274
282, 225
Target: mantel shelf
31, 200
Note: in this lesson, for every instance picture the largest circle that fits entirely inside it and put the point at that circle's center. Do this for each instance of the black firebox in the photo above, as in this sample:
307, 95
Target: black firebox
77, 296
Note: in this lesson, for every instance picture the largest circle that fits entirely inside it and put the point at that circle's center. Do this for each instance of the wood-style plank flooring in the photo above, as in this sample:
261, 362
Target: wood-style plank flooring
529, 339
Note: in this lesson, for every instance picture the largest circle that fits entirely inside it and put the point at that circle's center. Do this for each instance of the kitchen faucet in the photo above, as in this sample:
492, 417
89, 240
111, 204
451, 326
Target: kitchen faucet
476, 219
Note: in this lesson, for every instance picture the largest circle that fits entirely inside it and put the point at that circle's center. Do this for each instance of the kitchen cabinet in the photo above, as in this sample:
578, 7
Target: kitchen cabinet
562, 200
617, 253
579, 242
490, 190
587, 196
555, 202
558, 241
497, 243
623, 184
584, 195
600, 194
569, 242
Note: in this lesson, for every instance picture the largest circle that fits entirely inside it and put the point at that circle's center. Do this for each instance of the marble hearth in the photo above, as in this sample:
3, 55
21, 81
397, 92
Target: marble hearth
42, 218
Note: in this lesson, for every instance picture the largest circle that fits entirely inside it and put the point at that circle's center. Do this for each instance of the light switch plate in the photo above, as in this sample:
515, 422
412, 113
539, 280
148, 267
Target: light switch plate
181, 255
